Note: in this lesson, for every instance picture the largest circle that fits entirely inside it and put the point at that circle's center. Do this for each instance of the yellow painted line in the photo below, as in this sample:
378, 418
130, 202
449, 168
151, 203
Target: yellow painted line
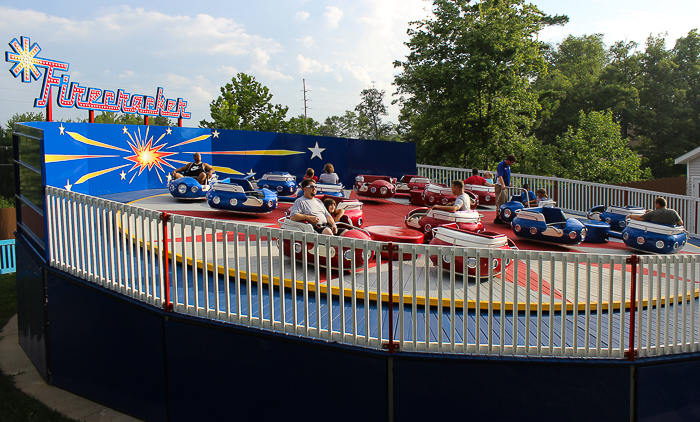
147, 197
421, 300
80, 138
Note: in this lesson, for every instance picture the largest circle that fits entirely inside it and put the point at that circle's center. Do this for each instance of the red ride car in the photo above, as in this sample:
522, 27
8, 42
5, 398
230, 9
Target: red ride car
375, 186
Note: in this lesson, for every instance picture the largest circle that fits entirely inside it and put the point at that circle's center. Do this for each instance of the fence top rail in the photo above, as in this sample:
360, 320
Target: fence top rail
560, 180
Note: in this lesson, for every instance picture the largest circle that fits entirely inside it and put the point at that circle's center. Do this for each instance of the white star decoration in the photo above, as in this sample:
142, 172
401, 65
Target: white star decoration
68, 185
251, 173
316, 151
61, 128
215, 133
124, 129
169, 131
123, 175
169, 177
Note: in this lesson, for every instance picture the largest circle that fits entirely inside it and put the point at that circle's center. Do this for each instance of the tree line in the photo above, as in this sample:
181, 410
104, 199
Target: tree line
477, 85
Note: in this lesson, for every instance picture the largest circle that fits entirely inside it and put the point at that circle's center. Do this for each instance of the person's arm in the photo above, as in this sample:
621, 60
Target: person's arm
209, 169
303, 217
338, 215
451, 208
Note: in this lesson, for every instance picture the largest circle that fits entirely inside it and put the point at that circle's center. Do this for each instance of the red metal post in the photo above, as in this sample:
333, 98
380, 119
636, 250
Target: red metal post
179, 122
145, 120
555, 194
633, 260
167, 305
91, 116
625, 199
391, 346
49, 108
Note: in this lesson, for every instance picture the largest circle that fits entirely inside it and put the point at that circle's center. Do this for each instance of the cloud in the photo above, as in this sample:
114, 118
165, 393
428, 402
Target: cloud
127, 74
260, 67
307, 65
307, 41
301, 16
333, 15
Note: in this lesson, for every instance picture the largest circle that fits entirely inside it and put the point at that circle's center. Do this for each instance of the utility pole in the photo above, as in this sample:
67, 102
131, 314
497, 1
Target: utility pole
306, 130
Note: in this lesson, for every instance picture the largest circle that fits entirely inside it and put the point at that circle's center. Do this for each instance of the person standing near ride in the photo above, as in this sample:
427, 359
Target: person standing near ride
502, 182
199, 170
661, 214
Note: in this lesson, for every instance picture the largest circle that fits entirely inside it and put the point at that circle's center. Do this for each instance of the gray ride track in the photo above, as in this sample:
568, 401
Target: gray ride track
456, 321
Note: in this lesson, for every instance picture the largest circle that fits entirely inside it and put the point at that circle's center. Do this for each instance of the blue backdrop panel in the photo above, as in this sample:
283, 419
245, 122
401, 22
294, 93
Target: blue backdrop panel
224, 372
669, 392
106, 347
381, 157
510, 390
99, 159
31, 297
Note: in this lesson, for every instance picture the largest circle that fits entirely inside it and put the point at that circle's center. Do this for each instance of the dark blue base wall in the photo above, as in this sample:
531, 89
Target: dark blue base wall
511, 389
219, 372
31, 306
164, 366
106, 347
668, 389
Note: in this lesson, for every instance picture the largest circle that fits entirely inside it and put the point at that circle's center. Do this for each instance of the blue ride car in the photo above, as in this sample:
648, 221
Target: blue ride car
326, 189
548, 224
614, 215
654, 237
241, 195
282, 182
189, 188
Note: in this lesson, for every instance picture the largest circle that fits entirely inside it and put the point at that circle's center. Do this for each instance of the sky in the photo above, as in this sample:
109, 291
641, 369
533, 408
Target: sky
336, 48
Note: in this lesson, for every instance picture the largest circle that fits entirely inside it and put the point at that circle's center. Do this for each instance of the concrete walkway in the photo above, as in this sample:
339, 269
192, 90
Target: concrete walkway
14, 361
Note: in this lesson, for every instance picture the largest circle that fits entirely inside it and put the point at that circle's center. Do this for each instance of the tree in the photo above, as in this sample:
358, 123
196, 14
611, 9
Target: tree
16, 118
661, 102
594, 151
464, 87
348, 125
570, 84
370, 110
244, 104
686, 56
302, 126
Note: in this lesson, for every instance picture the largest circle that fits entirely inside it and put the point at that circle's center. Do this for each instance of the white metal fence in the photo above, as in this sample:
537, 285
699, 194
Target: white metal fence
544, 303
578, 197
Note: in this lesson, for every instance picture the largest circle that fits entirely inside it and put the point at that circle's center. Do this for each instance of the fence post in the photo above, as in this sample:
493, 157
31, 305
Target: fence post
167, 305
633, 260
390, 248
555, 194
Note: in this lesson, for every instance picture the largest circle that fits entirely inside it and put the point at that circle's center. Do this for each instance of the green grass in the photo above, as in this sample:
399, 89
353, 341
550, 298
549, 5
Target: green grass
14, 404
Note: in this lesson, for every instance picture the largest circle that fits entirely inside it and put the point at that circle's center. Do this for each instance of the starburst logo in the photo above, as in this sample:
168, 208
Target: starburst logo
25, 59
147, 154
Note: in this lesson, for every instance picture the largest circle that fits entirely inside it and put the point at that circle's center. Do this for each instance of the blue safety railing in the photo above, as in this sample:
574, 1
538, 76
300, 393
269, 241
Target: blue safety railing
7, 256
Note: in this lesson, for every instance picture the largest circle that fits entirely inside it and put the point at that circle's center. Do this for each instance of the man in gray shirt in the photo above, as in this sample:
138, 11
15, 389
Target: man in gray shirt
461, 203
661, 214
310, 209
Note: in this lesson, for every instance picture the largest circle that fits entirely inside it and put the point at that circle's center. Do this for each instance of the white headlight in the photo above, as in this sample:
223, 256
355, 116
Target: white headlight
216, 200
194, 189
182, 188
660, 244
471, 262
640, 240
233, 202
